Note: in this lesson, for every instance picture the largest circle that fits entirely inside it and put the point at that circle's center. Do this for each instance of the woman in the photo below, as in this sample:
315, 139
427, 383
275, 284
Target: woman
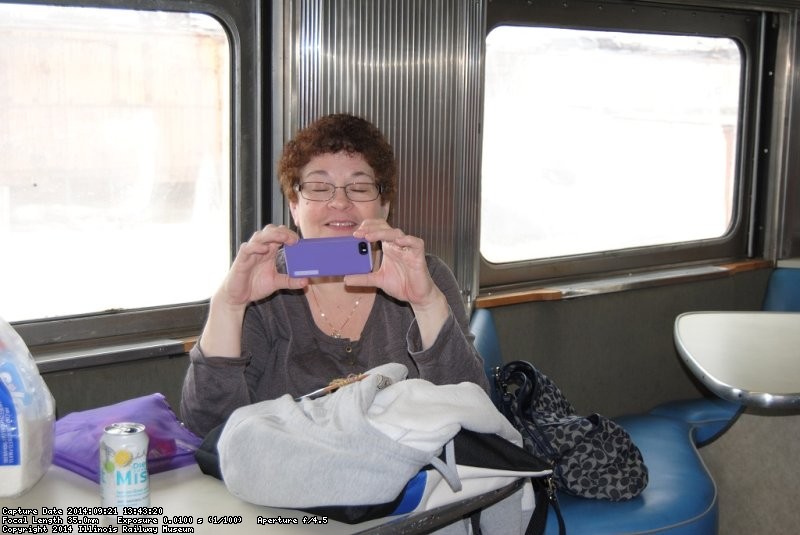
268, 334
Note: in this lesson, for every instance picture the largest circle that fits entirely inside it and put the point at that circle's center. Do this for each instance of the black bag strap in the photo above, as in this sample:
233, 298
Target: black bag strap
478, 449
513, 406
546, 497
518, 386
475, 521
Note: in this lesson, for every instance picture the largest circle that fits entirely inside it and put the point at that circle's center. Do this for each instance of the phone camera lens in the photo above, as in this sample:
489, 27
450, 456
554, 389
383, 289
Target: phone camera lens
362, 248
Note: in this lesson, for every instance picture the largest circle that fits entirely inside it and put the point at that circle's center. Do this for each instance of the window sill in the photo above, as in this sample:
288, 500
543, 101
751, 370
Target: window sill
62, 359
630, 281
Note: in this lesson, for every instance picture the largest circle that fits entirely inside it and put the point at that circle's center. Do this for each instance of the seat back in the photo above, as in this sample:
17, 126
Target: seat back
783, 291
487, 343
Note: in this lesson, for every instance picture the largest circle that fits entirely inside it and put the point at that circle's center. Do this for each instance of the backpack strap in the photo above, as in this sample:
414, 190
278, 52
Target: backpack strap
448, 470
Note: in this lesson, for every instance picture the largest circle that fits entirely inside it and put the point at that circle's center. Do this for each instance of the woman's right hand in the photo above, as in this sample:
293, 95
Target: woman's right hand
252, 276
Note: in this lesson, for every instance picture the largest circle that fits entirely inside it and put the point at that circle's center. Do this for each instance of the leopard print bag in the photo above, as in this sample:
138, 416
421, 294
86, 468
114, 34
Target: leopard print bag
592, 456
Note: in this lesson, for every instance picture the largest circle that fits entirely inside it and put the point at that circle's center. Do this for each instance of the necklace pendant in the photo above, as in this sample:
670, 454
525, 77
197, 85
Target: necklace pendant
335, 333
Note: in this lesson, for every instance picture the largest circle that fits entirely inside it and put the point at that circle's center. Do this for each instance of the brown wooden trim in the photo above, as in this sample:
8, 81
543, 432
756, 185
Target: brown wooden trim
523, 296
747, 265
189, 342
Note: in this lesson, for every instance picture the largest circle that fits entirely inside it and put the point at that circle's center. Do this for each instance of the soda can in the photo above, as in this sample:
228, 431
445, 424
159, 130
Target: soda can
124, 481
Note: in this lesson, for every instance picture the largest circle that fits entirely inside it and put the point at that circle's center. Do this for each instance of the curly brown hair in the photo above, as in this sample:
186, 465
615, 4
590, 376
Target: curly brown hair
335, 133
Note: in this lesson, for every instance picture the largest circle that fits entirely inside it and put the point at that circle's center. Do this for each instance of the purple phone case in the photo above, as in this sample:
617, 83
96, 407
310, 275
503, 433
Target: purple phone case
328, 257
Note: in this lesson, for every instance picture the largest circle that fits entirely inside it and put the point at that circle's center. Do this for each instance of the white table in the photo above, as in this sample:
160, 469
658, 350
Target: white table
751, 358
184, 492
189, 499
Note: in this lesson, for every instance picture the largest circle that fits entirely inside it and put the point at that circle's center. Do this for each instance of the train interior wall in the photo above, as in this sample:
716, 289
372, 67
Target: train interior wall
614, 353
96, 386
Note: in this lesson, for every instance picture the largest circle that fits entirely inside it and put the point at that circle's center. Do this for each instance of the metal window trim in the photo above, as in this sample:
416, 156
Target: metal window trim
746, 27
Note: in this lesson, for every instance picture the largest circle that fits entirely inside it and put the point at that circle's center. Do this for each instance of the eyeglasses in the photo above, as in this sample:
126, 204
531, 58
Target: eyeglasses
355, 191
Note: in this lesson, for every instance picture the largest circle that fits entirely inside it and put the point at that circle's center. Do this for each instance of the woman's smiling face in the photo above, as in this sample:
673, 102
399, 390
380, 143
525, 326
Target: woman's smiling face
338, 216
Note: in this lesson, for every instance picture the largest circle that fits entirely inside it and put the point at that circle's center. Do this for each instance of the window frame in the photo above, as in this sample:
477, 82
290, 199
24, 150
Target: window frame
128, 328
746, 29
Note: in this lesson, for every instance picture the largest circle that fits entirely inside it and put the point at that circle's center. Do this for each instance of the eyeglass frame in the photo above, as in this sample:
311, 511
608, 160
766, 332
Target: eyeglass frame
299, 188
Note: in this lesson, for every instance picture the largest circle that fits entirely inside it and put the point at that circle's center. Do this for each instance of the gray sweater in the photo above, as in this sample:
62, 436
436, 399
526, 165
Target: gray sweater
283, 351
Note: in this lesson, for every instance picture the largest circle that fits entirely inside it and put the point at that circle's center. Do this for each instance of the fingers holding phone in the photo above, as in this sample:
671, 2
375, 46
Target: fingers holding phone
402, 271
253, 274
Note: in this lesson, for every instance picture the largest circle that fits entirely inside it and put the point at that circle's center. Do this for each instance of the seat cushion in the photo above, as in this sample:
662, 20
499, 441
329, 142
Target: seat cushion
709, 417
681, 497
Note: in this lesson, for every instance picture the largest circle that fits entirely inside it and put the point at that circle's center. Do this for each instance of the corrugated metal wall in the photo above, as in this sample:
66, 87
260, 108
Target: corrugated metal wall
414, 68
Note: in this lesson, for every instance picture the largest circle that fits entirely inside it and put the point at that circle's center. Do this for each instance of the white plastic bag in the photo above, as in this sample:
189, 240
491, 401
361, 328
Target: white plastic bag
27, 417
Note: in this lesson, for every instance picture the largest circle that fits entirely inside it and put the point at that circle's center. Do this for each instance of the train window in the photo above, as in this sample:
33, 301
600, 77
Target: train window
606, 140
115, 159
620, 137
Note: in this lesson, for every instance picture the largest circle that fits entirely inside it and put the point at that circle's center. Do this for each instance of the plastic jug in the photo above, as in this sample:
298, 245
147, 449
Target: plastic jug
27, 416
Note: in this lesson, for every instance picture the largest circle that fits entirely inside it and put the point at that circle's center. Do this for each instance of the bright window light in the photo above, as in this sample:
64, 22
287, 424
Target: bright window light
598, 141
114, 159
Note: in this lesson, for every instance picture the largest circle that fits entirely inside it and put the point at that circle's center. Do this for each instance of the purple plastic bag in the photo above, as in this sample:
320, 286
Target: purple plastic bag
77, 440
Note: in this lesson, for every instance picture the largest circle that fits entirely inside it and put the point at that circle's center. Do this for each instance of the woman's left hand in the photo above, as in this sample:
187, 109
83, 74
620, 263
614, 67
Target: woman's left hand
403, 271
403, 274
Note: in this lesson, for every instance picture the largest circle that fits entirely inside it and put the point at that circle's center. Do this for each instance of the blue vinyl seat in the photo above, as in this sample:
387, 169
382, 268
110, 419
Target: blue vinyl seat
783, 291
681, 496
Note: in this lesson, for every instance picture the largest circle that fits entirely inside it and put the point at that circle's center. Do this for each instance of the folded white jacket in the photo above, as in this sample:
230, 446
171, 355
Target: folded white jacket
357, 446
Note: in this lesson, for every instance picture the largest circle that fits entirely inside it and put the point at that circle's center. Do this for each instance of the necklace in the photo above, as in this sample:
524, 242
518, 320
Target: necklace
336, 333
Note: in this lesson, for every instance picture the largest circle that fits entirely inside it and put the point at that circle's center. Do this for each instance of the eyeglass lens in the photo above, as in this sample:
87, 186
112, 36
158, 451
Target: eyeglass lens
323, 191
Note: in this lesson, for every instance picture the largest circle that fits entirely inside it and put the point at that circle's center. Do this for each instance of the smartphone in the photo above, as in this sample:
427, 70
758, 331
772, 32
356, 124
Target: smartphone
328, 257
